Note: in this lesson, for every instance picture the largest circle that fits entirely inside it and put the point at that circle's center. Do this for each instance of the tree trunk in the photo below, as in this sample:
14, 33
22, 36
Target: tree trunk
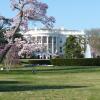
7, 48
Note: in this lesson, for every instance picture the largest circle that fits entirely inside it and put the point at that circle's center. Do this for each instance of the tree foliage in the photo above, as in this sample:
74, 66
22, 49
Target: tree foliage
74, 47
33, 10
2, 38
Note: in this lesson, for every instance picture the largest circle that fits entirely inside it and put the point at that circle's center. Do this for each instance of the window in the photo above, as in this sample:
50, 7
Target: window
50, 39
60, 49
39, 39
33, 38
60, 40
54, 39
44, 39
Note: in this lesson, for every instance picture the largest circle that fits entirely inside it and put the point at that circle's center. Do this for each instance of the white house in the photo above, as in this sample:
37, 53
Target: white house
52, 40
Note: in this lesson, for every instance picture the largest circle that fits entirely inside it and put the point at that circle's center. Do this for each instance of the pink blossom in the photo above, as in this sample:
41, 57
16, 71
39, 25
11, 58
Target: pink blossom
27, 10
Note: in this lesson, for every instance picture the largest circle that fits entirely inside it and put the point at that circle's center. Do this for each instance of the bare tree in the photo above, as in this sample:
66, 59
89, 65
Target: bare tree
93, 36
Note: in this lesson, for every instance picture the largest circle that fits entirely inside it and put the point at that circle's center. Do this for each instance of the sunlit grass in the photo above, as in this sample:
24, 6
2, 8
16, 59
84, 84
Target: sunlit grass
50, 83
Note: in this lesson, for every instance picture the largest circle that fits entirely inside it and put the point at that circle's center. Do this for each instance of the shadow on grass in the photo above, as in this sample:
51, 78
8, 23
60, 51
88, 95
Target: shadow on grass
14, 86
10, 82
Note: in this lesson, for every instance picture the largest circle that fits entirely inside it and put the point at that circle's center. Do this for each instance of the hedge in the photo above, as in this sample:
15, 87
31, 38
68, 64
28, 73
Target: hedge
76, 62
63, 62
39, 61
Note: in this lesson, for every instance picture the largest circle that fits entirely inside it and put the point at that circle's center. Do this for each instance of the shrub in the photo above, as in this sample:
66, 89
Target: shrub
76, 62
39, 61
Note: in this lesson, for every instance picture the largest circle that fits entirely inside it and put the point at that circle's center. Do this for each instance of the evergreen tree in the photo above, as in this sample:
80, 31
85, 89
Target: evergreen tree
74, 47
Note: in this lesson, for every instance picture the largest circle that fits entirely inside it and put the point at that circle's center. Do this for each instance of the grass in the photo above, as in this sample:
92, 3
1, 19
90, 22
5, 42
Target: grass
51, 83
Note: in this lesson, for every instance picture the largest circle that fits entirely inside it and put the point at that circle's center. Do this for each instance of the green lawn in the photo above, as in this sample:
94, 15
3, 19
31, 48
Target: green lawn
50, 83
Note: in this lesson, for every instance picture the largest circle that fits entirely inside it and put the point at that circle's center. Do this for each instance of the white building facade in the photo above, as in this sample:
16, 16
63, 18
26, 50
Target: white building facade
52, 41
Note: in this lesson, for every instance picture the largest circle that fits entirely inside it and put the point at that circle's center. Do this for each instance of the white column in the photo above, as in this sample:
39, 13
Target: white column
36, 38
56, 45
47, 44
52, 45
41, 46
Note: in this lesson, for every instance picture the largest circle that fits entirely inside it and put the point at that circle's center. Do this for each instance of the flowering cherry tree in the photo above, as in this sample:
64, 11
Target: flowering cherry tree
33, 10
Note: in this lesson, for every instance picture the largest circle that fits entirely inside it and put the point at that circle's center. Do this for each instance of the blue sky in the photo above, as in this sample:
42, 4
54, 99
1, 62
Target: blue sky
71, 14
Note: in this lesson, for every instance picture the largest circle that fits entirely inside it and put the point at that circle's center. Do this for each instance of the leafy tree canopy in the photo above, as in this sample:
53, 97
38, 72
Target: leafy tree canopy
74, 47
